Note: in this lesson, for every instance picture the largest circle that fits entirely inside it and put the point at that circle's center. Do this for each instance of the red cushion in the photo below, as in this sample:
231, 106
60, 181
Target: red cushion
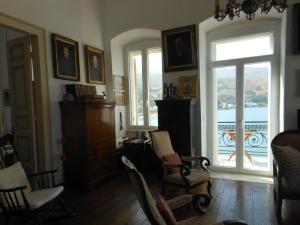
173, 159
165, 210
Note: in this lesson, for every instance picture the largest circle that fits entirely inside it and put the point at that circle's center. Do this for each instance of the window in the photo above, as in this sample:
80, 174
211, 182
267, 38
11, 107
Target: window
145, 84
243, 47
242, 112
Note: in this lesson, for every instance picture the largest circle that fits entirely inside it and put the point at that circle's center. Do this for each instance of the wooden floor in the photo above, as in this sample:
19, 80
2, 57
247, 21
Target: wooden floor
114, 203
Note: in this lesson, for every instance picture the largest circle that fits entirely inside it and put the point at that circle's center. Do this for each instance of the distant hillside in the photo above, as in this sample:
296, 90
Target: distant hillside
256, 87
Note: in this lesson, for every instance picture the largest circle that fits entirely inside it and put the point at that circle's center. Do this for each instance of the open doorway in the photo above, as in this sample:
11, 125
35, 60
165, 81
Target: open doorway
17, 87
41, 103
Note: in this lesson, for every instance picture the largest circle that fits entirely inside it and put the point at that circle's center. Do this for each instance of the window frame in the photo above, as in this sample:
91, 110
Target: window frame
141, 46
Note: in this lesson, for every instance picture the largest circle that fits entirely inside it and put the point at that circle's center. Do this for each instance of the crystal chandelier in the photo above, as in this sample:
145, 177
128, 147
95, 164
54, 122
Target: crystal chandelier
249, 7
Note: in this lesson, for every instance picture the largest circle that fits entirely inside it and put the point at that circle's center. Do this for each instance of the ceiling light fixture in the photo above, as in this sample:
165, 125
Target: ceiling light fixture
249, 7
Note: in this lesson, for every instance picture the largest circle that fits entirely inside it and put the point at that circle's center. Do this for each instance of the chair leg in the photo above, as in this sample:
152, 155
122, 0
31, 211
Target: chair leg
6, 219
163, 188
278, 207
275, 195
64, 208
37, 219
208, 188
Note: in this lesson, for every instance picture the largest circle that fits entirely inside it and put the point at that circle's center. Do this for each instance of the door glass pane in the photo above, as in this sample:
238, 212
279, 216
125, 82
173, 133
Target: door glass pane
224, 154
256, 116
136, 89
255, 45
155, 83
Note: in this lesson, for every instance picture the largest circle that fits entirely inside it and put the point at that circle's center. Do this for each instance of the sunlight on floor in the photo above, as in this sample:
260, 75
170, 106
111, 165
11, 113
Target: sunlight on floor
242, 177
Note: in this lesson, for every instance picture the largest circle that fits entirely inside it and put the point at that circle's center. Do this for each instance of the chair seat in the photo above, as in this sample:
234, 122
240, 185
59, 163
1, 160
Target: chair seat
40, 197
199, 220
197, 176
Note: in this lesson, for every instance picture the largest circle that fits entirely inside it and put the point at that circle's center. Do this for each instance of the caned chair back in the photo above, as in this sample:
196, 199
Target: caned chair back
143, 194
161, 143
287, 138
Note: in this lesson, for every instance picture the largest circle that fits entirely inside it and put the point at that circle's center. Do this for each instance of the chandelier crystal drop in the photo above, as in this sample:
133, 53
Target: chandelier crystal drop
233, 8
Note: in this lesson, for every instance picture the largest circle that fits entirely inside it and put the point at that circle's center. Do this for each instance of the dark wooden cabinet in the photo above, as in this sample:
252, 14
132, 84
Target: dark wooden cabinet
178, 116
88, 129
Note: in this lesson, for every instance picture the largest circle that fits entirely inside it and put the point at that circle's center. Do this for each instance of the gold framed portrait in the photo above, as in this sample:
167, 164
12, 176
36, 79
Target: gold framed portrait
119, 82
95, 65
65, 58
120, 97
180, 49
188, 86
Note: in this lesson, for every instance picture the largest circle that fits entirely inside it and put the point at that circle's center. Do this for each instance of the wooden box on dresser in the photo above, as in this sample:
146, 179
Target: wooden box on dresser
88, 129
178, 117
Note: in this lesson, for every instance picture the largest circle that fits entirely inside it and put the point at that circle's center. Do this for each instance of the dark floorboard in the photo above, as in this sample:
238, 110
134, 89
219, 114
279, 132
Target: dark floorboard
114, 203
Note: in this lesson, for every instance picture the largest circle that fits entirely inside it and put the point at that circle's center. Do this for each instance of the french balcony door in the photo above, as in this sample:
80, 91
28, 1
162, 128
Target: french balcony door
243, 118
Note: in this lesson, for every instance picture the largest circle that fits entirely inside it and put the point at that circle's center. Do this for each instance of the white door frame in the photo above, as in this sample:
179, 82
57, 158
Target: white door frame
41, 92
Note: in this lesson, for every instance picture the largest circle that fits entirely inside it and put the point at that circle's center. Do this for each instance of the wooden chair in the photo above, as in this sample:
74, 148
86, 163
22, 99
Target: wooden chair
286, 167
28, 196
150, 208
184, 176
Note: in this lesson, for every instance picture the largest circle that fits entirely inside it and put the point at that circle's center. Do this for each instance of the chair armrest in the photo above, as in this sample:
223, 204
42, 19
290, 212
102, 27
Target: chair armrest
43, 180
171, 165
180, 201
234, 222
204, 161
43, 173
184, 170
19, 188
13, 199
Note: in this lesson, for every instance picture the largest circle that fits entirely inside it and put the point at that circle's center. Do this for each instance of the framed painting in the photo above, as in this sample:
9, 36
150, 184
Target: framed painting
119, 82
188, 86
95, 65
180, 49
65, 58
120, 97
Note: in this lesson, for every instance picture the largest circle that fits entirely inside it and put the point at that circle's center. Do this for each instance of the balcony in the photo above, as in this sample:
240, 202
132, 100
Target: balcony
255, 145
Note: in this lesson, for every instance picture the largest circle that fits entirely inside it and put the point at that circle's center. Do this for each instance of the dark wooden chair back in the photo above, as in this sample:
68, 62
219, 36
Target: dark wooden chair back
143, 193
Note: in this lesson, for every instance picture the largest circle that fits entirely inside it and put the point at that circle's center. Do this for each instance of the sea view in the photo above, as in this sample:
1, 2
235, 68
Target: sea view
256, 124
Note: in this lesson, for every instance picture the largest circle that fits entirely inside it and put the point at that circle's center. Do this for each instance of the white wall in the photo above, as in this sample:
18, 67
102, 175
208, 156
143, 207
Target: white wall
76, 19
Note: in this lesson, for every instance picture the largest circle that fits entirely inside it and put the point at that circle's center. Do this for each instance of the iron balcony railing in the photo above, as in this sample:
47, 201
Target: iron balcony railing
255, 138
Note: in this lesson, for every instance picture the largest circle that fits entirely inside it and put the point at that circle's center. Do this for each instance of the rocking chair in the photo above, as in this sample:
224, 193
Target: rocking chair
176, 173
161, 212
19, 197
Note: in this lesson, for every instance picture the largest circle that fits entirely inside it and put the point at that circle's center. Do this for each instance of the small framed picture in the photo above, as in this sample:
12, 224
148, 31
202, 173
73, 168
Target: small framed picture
6, 97
119, 82
65, 58
180, 49
120, 97
95, 65
188, 86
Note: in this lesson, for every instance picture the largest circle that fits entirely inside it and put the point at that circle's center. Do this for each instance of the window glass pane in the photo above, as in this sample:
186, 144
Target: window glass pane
154, 83
256, 116
136, 89
226, 116
243, 47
